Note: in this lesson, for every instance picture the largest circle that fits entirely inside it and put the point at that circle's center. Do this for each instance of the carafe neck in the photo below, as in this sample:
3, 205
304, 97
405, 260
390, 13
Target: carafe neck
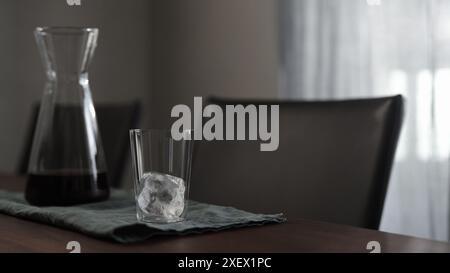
67, 52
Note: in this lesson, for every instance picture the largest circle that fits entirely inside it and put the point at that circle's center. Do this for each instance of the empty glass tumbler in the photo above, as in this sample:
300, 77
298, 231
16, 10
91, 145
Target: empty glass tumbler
67, 164
162, 170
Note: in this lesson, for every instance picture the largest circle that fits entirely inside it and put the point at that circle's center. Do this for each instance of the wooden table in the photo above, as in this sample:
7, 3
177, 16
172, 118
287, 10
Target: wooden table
297, 235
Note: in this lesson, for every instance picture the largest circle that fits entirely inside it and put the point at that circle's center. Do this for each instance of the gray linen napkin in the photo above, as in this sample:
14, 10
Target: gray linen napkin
115, 219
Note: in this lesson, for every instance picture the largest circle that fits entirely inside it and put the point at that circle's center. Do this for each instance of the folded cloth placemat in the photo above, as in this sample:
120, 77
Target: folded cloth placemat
115, 219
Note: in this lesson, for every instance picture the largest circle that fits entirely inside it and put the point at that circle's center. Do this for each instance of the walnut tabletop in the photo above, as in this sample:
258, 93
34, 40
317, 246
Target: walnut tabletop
296, 235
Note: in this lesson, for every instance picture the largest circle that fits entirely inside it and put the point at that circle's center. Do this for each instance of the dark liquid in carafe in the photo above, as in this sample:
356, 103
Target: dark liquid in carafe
65, 189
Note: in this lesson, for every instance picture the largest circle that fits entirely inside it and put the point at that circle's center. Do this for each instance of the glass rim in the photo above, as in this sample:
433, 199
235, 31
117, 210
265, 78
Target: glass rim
62, 30
158, 131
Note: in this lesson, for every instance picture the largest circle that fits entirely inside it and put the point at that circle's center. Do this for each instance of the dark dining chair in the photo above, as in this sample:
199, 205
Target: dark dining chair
333, 162
114, 122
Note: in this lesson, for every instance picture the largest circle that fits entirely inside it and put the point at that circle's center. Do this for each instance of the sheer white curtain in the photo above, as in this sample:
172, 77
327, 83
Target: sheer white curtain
364, 48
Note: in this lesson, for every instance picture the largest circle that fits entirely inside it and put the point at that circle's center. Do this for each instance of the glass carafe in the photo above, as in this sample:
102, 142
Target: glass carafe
67, 164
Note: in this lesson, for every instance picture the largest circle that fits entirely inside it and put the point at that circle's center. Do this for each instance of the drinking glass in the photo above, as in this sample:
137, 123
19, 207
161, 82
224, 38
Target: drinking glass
162, 170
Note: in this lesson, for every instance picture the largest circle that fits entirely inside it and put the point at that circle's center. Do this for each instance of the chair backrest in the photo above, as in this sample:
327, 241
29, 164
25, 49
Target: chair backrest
333, 162
114, 121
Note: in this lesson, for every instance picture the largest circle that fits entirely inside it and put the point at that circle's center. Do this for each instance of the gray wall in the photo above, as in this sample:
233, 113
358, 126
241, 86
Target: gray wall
10, 112
201, 47
162, 52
